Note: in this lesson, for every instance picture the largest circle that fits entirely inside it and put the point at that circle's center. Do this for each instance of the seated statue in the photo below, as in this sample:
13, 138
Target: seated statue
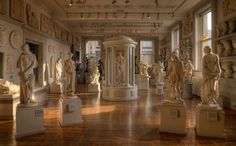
9, 88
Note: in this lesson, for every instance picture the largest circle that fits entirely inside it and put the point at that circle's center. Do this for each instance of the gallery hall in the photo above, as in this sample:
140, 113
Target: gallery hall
117, 72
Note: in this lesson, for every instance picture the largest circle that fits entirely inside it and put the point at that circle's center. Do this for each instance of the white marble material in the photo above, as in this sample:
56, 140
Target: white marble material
94, 75
29, 120
188, 70
187, 89
58, 71
210, 76
70, 109
26, 63
143, 68
70, 75
160, 88
56, 88
94, 88
210, 121
143, 82
173, 117
9, 88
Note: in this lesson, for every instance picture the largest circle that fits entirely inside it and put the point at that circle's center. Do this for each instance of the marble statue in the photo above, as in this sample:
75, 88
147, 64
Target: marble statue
175, 74
143, 67
58, 71
70, 75
210, 77
120, 63
188, 71
9, 88
93, 72
26, 64
157, 71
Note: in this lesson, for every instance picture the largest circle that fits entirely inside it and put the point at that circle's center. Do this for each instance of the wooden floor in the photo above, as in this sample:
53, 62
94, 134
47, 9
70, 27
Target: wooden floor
133, 123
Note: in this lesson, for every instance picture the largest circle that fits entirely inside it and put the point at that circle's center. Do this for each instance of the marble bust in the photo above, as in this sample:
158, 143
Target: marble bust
175, 74
26, 64
210, 76
58, 71
143, 67
70, 75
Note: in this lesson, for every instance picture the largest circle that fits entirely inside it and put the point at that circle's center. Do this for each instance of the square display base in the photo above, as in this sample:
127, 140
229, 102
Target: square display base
187, 90
143, 82
210, 121
94, 88
70, 111
160, 88
173, 117
56, 88
29, 120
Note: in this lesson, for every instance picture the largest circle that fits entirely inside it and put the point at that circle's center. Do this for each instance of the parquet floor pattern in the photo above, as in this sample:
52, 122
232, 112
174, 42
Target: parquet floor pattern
133, 123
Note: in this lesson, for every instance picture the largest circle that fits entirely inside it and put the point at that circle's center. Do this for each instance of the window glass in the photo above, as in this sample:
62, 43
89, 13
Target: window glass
146, 51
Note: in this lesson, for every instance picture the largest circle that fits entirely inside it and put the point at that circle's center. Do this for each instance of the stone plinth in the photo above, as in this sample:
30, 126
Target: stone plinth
159, 88
29, 120
210, 121
94, 88
173, 117
8, 103
70, 111
187, 89
56, 88
143, 82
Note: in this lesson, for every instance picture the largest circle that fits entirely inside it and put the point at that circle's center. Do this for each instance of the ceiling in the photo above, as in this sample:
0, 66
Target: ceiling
139, 17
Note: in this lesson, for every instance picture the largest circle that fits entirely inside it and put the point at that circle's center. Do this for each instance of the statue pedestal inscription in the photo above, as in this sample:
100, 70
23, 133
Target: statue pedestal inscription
143, 82
187, 89
210, 121
56, 88
94, 88
70, 111
159, 88
29, 120
173, 117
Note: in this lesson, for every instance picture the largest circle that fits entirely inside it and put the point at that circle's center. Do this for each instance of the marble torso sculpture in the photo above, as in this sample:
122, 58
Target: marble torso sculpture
70, 75
93, 72
58, 71
143, 67
188, 71
175, 74
9, 88
210, 77
120, 61
26, 63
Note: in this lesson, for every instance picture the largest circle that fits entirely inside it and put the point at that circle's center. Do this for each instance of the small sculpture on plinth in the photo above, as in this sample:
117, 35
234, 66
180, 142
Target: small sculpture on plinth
58, 71
210, 76
120, 61
9, 88
27, 62
175, 74
70, 75
188, 71
143, 67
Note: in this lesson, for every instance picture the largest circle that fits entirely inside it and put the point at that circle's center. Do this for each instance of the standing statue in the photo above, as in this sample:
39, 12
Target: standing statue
211, 75
100, 69
188, 71
26, 63
58, 71
175, 74
143, 68
120, 63
160, 72
93, 72
70, 75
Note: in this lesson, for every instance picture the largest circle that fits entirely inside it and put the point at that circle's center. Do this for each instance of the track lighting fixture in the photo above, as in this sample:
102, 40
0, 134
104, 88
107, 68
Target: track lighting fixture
71, 3
148, 16
113, 2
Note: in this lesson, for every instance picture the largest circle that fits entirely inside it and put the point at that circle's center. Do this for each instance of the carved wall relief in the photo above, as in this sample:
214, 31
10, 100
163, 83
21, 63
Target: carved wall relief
17, 9
228, 7
57, 29
227, 69
70, 38
234, 69
228, 47
15, 39
9, 64
2, 6
32, 16
64, 35
3, 36
47, 26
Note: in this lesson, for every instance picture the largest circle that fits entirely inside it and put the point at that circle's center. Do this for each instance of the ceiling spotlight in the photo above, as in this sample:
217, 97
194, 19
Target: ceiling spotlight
157, 3
82, 15
142, 15
127, 1
148, 16
126, 14
81, 2
113, 2
71, 3
114, 15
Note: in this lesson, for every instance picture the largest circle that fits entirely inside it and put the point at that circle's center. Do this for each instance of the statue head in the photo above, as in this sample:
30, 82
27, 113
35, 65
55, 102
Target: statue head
25, 48
70, 55
207, 50
174, 55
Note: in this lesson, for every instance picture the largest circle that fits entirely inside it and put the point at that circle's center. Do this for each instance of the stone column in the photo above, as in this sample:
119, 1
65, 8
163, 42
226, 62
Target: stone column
133, 65
127, 66
112, 66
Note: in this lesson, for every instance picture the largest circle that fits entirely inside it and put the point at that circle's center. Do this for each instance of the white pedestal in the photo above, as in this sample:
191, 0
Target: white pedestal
94, 88
29, 120
8, 103
187, 89
143, 82
70, 111
159, 88
173, 117
210, 121
56, 88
